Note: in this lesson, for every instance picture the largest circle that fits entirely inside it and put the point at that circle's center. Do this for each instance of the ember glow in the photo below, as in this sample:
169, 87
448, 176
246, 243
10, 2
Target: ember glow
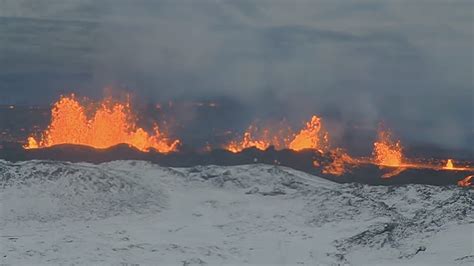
111, 123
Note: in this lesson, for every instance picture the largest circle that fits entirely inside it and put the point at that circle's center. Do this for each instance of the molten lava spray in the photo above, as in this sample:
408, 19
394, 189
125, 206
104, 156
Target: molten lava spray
249, 141
311, 137
449, 164
386, 151
112, 123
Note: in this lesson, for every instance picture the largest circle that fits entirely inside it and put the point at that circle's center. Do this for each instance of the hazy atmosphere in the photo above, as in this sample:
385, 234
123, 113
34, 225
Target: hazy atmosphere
407, 63
236, 132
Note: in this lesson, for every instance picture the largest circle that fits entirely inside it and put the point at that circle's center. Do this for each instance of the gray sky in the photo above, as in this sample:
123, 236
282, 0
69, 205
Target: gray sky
408, 63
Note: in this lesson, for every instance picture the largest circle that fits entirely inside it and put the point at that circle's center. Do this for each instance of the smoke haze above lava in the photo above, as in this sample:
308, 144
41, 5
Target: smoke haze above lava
408, 63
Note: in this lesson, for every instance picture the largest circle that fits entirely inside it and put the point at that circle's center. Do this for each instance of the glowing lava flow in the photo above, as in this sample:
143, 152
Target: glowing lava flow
312, 136
112, 123
387, 153
466, 182
340, 161
451, 166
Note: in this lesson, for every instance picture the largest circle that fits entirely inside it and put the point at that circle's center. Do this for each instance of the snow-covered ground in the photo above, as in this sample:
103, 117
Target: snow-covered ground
130, 212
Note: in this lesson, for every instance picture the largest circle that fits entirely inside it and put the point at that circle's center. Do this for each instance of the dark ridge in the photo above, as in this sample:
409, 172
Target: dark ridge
303, 161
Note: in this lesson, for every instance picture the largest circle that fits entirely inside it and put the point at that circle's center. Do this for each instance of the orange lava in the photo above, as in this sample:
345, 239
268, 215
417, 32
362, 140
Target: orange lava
32, 143
248, 141
112, 123
310, 137
449, 165
393, 173
466, 182
108, 123
433, 164
386, 151
340, 161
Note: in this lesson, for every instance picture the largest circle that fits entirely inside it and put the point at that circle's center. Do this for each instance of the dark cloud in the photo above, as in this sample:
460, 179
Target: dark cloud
408, 63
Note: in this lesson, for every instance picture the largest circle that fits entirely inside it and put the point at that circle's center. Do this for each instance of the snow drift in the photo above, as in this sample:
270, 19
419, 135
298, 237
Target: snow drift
45, 191
139, 212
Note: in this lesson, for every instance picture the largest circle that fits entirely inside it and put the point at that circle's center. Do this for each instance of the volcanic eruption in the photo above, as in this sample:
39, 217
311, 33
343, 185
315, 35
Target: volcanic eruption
109, 124
449, 165
249, 141
311, 136
386, 151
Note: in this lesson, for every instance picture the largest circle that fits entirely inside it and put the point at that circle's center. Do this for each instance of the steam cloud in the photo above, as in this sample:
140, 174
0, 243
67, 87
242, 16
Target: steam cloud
408, 63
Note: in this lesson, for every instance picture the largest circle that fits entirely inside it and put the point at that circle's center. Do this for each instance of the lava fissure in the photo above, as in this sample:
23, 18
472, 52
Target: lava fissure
312, 136
112, 123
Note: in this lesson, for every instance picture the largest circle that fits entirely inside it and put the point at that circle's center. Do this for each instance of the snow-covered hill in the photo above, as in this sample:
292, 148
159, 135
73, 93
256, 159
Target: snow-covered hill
137, 212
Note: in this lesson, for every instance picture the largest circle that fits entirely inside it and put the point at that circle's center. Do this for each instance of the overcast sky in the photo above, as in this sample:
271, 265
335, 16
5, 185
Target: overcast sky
408, 63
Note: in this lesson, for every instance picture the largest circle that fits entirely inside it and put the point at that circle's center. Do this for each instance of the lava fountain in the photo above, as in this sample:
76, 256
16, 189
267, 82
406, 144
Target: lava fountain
311, 136
111, 123
387, 152
449, 165
249, 141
